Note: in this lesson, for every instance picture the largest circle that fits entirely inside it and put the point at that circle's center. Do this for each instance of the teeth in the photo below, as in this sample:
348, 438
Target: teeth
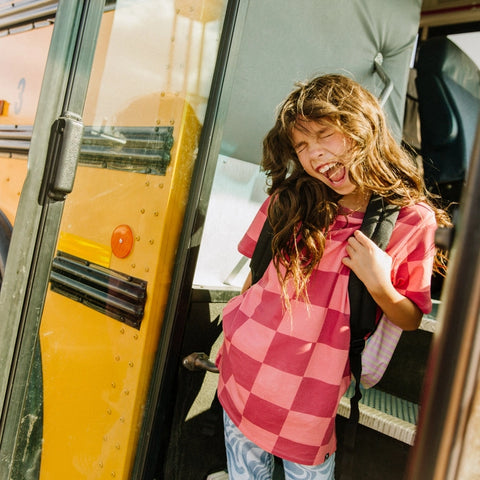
327, 167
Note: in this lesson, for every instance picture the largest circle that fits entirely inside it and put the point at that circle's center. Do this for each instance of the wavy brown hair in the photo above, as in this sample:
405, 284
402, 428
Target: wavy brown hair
303, 208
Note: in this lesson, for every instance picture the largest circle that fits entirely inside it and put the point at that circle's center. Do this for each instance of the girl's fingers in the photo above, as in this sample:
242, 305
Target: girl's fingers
353, 243
361, 238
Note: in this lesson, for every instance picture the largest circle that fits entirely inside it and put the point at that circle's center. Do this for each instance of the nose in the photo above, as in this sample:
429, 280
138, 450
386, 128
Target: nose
315, 151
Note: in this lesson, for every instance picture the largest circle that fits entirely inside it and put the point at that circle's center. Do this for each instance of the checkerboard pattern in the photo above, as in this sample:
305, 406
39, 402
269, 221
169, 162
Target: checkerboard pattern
283, 372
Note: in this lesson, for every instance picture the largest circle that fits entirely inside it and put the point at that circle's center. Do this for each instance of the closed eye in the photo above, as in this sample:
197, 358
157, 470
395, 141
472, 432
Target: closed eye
299, 147
325, 133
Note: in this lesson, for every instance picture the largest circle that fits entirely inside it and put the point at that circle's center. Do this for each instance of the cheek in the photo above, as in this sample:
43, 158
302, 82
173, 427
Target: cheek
304, 163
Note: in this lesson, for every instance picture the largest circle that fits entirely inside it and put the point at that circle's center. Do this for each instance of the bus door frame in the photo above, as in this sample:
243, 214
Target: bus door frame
450, 385
60, 108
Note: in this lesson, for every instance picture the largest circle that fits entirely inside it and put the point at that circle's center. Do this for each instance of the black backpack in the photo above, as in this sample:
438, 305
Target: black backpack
377, 225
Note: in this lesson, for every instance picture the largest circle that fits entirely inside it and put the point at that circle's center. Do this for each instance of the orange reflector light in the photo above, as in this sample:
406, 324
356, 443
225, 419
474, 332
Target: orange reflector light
122, 241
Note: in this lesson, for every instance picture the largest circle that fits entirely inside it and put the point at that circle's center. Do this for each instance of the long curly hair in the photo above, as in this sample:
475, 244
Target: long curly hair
302, 207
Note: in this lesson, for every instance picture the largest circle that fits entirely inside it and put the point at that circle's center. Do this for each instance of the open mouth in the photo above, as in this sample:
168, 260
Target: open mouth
335, 172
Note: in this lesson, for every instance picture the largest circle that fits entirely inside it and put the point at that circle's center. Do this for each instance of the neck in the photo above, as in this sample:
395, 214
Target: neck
356, 201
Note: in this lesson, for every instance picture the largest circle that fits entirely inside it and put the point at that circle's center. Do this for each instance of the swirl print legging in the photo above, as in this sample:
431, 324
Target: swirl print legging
247, 461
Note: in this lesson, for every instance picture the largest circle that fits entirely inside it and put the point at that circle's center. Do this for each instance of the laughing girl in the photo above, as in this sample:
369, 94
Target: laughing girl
284, 361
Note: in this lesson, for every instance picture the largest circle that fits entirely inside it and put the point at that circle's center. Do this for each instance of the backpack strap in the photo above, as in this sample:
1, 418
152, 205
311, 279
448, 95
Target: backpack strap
378, 224
262, 255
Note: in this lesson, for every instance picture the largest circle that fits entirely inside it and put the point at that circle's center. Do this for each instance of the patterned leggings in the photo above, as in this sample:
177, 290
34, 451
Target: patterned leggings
246, 461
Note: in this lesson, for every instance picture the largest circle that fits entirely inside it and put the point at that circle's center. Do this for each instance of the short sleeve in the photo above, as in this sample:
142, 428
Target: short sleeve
247, 244
413, 253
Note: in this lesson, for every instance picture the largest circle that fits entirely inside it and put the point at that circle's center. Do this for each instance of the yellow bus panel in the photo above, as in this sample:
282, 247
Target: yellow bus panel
120, 230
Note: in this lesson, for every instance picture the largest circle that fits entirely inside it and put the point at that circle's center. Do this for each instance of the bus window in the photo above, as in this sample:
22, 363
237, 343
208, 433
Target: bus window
24, 41
25, 54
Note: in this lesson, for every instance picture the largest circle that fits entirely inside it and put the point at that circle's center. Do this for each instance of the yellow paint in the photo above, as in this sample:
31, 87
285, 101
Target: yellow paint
4, 106
103, 365
12, 175
84, 248
97, 369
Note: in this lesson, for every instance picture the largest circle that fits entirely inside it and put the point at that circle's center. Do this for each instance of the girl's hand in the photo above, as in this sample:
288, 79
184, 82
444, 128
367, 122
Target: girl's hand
373, 267
369, 262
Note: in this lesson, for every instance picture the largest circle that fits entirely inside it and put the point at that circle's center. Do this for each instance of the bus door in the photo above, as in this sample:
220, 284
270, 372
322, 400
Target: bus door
89, 269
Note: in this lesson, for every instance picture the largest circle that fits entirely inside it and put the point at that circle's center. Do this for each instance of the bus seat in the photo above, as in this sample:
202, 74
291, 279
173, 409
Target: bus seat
448, 86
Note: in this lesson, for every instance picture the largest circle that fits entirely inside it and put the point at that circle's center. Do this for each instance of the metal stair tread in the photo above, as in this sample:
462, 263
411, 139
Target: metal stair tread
429, 321
385, 413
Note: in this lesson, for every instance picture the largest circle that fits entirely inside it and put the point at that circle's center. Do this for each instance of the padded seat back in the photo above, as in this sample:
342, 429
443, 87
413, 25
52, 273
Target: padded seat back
448, 86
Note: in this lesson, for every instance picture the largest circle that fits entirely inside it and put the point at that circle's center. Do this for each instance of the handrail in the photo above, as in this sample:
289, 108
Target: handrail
387, 90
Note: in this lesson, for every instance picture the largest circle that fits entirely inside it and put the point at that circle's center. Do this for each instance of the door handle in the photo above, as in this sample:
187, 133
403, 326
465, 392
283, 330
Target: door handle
62, 155
199, 361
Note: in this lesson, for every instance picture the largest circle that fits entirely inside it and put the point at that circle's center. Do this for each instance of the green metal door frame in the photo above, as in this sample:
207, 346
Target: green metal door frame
35, 232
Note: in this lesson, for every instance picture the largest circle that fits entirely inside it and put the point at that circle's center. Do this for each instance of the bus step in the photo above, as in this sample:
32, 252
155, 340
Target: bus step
385, 413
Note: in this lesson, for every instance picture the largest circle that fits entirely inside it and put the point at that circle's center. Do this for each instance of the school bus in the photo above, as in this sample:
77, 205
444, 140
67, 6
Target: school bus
130, 138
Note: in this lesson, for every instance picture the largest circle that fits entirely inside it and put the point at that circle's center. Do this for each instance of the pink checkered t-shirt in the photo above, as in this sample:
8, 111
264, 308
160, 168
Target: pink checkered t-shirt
283, 373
